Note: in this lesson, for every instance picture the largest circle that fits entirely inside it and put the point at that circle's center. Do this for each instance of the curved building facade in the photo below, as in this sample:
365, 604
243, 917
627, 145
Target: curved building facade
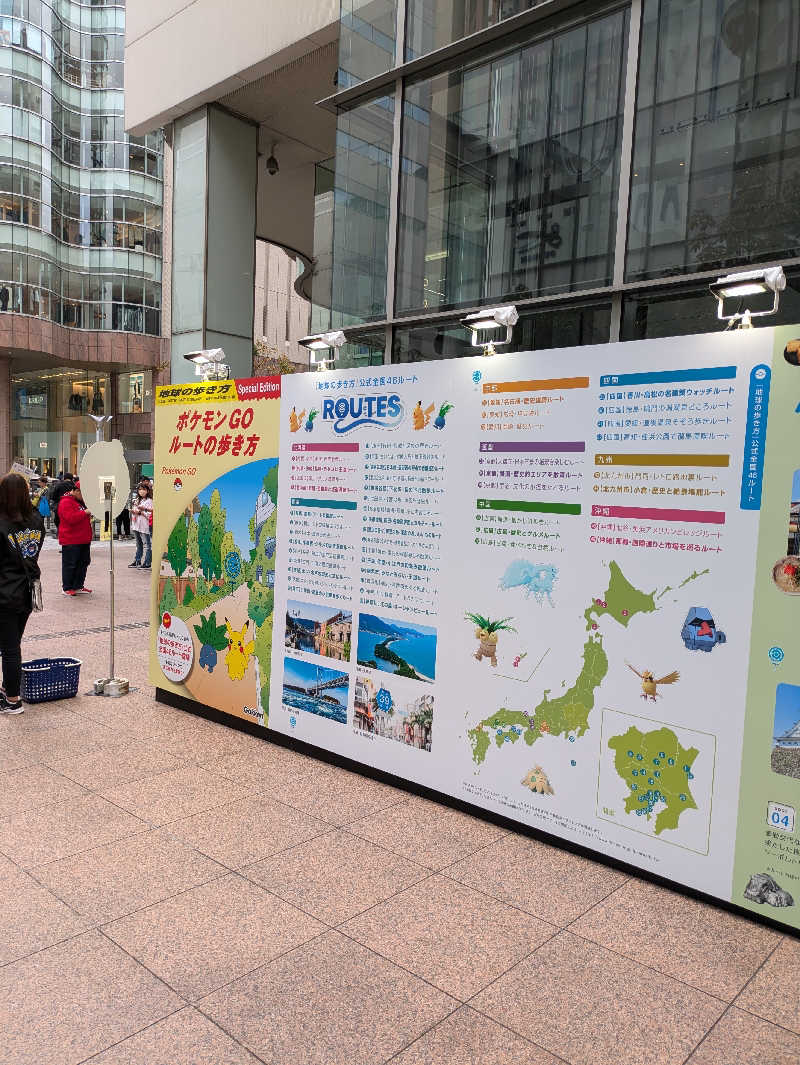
81, 223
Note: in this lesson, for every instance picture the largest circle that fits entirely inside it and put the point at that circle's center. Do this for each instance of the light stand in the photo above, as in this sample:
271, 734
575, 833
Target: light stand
112, 685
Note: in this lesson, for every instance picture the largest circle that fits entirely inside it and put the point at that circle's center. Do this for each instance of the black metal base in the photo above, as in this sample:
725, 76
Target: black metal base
181, 702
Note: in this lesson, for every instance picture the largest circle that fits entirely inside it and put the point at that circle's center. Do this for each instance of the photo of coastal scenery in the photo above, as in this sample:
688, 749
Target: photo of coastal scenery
322, 630
377, 711
402, 648
315, 689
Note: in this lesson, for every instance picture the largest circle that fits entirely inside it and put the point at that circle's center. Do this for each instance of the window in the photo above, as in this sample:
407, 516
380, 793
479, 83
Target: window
135, 393
717, 139
536, 330
361, 211
432, 24
510, 172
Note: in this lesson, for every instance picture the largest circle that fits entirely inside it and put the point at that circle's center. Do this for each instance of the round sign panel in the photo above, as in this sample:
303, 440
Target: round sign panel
174, 648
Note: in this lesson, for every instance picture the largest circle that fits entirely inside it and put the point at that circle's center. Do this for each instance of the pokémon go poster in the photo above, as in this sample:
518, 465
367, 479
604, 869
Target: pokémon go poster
214, 543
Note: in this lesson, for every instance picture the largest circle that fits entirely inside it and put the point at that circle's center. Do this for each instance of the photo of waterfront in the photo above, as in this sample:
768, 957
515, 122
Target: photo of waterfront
315, 690
404, 649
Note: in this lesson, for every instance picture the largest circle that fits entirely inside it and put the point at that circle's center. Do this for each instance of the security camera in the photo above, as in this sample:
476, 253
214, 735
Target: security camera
272, 163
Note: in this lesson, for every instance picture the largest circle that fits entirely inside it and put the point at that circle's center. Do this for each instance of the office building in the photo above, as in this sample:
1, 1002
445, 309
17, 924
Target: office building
81, 238
596, 164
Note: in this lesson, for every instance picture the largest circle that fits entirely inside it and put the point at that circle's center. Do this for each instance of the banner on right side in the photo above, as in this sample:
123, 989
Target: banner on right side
562, 586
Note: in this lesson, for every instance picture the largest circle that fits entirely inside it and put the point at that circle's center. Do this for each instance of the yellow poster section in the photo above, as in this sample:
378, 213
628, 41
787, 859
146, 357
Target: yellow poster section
214, 542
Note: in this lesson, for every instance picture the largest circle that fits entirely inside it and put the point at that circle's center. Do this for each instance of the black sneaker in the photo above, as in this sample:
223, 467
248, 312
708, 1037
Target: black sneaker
134, 565
10, 706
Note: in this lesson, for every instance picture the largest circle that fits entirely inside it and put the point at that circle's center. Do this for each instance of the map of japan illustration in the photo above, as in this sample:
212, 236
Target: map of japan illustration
649, 771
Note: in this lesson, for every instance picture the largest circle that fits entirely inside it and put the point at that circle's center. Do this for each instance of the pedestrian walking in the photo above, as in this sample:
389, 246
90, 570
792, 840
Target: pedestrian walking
75, 536
57, 492
21, 538
142, 525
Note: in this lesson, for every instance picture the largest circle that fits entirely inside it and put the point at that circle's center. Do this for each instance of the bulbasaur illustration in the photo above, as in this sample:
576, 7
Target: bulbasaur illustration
536, 579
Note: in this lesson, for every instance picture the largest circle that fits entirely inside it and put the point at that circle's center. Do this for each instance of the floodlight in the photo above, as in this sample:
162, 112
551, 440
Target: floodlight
209, 364
489, 319
323, 347
748, 283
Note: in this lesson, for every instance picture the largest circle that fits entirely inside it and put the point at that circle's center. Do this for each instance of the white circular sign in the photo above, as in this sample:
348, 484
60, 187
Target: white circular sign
174, 648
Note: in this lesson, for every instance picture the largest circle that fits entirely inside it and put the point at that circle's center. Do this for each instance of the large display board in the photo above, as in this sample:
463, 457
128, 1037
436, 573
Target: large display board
561, 586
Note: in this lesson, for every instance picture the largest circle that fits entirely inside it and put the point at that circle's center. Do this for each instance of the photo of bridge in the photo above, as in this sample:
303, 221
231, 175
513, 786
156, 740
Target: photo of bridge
315, 690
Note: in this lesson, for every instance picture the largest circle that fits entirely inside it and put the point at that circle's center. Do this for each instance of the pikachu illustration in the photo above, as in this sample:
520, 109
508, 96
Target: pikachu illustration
239, 652
295, 419
422, 417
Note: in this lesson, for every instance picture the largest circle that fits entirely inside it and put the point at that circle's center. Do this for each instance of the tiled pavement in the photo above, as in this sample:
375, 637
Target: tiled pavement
173, 892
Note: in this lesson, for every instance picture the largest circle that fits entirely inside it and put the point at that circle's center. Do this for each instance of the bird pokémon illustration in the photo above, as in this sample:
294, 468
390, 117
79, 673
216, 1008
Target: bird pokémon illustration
239, 652
650, 684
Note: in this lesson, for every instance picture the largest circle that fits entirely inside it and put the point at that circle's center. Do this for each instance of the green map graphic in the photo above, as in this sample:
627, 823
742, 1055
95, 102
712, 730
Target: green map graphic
569, 713
656, 770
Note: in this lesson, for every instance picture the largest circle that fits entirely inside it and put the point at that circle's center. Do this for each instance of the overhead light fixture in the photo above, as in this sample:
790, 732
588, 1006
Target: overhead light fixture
320, 345
489, 320
745, 284
209, 363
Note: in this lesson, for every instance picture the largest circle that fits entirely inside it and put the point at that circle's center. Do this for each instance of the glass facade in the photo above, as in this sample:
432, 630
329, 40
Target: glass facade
585, 156
80, 200
510, 175
50, 424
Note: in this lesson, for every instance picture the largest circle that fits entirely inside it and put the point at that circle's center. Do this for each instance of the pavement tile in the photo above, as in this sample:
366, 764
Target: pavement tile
246, 830
35, 786
74, 999
427, 833
211, 934
592, 1007
330, 1002
741, 1039
12, 758
336, 795
449, 934
174, 795
208, 743
108, 766
469, 1038
774, 992
552, 884
77, 736
30, 916
184, 1038
335, 876
37, 835
317, 788
117, 878
699, 944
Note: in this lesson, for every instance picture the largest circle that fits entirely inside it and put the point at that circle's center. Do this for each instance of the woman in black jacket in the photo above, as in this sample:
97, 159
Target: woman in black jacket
21, 538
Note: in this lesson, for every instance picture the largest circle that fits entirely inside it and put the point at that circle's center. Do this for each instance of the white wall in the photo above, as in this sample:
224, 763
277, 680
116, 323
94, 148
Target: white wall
179, 55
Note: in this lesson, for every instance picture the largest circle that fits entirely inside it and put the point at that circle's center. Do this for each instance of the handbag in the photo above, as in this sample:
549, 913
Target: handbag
34, 584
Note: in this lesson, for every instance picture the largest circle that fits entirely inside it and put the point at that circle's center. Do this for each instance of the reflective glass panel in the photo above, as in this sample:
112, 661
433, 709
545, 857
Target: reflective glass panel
536, 330
361, 212
510, 172
717, 139
431, 24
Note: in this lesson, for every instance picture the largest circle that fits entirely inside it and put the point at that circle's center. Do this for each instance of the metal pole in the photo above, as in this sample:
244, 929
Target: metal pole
111, 672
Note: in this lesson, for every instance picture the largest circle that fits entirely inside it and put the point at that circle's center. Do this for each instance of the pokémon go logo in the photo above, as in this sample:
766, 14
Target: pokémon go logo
351, 412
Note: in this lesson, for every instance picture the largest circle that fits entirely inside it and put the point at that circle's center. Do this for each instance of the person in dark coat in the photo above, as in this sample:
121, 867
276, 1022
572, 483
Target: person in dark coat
21, 539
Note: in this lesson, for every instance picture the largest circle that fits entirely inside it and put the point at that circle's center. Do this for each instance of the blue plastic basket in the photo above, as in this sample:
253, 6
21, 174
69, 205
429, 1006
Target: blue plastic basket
46, 679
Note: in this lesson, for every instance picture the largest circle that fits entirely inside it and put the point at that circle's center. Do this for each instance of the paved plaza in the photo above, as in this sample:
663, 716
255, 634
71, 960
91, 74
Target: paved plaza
175, 892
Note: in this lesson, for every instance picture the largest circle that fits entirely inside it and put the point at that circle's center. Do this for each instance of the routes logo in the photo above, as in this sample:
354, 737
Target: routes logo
351, 412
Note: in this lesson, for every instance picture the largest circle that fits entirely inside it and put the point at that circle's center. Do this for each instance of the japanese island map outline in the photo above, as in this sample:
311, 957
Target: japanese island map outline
568, 715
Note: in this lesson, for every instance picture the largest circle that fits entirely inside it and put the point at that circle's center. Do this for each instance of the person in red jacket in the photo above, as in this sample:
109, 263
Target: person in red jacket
75, 536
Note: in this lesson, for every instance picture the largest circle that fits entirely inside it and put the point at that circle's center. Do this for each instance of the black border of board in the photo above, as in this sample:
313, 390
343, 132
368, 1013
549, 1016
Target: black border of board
182, 702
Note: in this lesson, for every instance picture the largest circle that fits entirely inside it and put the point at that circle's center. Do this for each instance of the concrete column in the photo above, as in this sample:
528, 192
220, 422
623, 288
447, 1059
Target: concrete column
6, 456
213, 238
